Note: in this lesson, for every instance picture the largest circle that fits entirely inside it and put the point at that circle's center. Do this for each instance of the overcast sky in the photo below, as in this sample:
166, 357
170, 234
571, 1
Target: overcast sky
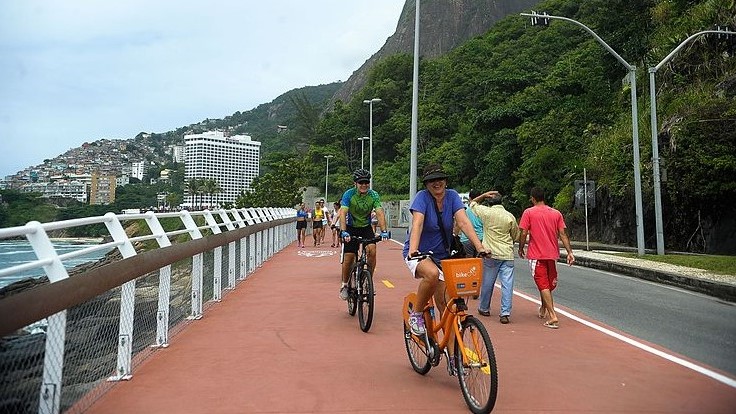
74, 71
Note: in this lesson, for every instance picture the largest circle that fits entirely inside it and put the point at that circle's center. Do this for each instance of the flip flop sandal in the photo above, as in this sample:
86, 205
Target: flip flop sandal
551, 325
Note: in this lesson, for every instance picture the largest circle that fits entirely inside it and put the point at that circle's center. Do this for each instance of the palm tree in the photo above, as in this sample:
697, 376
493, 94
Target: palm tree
211, 187
194, 187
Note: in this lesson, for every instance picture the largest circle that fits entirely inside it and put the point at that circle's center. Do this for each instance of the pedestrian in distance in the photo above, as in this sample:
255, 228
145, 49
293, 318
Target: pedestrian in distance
335, 218
326, 221
301, 225
499, 233
433, 212
544, 225
317, 227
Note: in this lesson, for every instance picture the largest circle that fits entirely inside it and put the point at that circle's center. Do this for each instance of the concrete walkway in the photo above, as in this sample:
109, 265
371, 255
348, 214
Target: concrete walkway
282, 342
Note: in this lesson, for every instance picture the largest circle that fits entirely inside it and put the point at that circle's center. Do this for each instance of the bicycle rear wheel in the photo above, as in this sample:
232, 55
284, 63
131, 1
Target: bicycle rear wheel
352, 291
366, 300
417, 352
476, 372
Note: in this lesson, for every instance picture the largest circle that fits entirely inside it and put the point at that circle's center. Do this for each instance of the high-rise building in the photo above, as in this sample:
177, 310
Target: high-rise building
231, 161
137, 169
177, 153
102, 189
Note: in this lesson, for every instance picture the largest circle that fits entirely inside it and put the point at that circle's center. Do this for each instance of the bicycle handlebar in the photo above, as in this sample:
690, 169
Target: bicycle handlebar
362, 240
423, 255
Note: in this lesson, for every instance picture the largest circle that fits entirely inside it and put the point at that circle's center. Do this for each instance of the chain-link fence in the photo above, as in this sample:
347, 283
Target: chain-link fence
89, 346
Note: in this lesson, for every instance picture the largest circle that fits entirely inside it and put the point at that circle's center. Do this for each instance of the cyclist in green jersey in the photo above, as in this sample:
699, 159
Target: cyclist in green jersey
355, 220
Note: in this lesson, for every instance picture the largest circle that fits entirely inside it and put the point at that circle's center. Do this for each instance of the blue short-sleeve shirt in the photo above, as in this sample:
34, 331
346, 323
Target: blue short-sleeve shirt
431, 238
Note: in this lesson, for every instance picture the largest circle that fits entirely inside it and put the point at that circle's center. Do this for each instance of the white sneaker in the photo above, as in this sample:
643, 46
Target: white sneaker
344, 293
416, 323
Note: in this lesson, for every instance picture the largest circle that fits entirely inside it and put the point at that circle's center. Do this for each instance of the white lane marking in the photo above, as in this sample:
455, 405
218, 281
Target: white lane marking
687, 364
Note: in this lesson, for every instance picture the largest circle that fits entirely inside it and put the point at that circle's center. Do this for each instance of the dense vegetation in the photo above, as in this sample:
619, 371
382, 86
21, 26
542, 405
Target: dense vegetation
523, 106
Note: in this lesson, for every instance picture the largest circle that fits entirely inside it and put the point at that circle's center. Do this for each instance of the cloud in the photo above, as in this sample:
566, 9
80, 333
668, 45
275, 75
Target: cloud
77, 71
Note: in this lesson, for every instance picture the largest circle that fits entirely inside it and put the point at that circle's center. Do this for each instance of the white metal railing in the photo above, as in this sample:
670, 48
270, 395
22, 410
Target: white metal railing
249, 252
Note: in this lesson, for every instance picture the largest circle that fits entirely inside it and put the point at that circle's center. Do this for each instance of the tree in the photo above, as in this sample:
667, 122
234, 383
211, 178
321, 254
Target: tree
281, 188
210, 187
173, 199
194, 187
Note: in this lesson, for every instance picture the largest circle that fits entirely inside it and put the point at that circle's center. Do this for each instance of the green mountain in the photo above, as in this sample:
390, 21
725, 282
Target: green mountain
523, 105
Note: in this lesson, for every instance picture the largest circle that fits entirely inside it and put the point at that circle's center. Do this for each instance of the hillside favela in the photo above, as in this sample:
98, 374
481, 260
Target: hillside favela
92, 173
567, 167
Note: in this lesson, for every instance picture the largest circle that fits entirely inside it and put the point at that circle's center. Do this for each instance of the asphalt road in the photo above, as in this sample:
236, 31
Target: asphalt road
689, 324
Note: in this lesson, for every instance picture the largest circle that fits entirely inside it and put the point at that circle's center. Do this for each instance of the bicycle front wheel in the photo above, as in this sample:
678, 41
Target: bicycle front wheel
476, 366
366, 300
417, 352
352, 291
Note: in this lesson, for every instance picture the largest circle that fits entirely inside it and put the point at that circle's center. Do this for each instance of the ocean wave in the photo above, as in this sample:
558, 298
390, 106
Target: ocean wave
14, 252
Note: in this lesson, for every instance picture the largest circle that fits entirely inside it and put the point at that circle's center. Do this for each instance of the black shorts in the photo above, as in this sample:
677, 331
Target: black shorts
317, 224
364, 232
301, 224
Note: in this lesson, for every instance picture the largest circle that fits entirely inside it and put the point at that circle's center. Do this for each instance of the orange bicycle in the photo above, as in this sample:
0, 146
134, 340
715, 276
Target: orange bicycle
473, 359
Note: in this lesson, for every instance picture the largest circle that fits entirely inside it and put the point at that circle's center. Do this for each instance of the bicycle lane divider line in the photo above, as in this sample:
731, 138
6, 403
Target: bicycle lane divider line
646, 348
387, 282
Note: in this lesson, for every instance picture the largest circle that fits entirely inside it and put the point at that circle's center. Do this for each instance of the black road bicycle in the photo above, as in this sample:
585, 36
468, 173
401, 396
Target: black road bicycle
361, 291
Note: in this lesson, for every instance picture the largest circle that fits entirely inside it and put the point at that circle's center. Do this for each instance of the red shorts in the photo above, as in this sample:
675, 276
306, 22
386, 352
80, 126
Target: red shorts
545, 273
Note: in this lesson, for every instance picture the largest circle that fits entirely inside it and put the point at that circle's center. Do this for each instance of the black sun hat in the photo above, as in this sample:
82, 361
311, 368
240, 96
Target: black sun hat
433, 172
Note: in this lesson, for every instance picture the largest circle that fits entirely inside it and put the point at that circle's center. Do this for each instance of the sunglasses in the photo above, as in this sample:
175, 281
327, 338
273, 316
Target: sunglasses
363, 182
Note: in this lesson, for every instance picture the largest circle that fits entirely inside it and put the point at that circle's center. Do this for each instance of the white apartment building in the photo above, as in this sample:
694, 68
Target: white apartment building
232, 161
59, 189
137, 169
177, 153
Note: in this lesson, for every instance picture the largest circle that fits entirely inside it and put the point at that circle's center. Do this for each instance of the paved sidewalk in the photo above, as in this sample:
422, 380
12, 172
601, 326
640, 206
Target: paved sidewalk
282, 342
720, 286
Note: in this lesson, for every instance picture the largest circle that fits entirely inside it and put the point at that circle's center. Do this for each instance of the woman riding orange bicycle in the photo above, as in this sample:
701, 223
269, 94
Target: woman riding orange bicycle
430, 233
459, 336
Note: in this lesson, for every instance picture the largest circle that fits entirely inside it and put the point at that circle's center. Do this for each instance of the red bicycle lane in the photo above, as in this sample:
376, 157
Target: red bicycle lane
282, 342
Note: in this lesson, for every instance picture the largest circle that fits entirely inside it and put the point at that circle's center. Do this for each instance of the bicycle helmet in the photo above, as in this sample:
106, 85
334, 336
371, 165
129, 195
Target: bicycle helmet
361, 174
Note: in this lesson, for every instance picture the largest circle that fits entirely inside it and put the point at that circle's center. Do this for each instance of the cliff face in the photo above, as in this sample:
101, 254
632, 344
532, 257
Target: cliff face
443, 25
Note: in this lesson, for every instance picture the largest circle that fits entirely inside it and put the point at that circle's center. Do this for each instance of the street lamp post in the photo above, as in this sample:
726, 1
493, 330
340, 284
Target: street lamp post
362, 156
414, 110
327, 173
542, 19
370, 136
655, 143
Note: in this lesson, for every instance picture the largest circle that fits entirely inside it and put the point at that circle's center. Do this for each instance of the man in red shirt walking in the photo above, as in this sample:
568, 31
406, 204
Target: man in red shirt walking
543, 224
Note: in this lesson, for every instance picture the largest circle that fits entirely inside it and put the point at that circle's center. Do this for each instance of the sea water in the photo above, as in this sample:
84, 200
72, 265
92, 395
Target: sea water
17, 252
